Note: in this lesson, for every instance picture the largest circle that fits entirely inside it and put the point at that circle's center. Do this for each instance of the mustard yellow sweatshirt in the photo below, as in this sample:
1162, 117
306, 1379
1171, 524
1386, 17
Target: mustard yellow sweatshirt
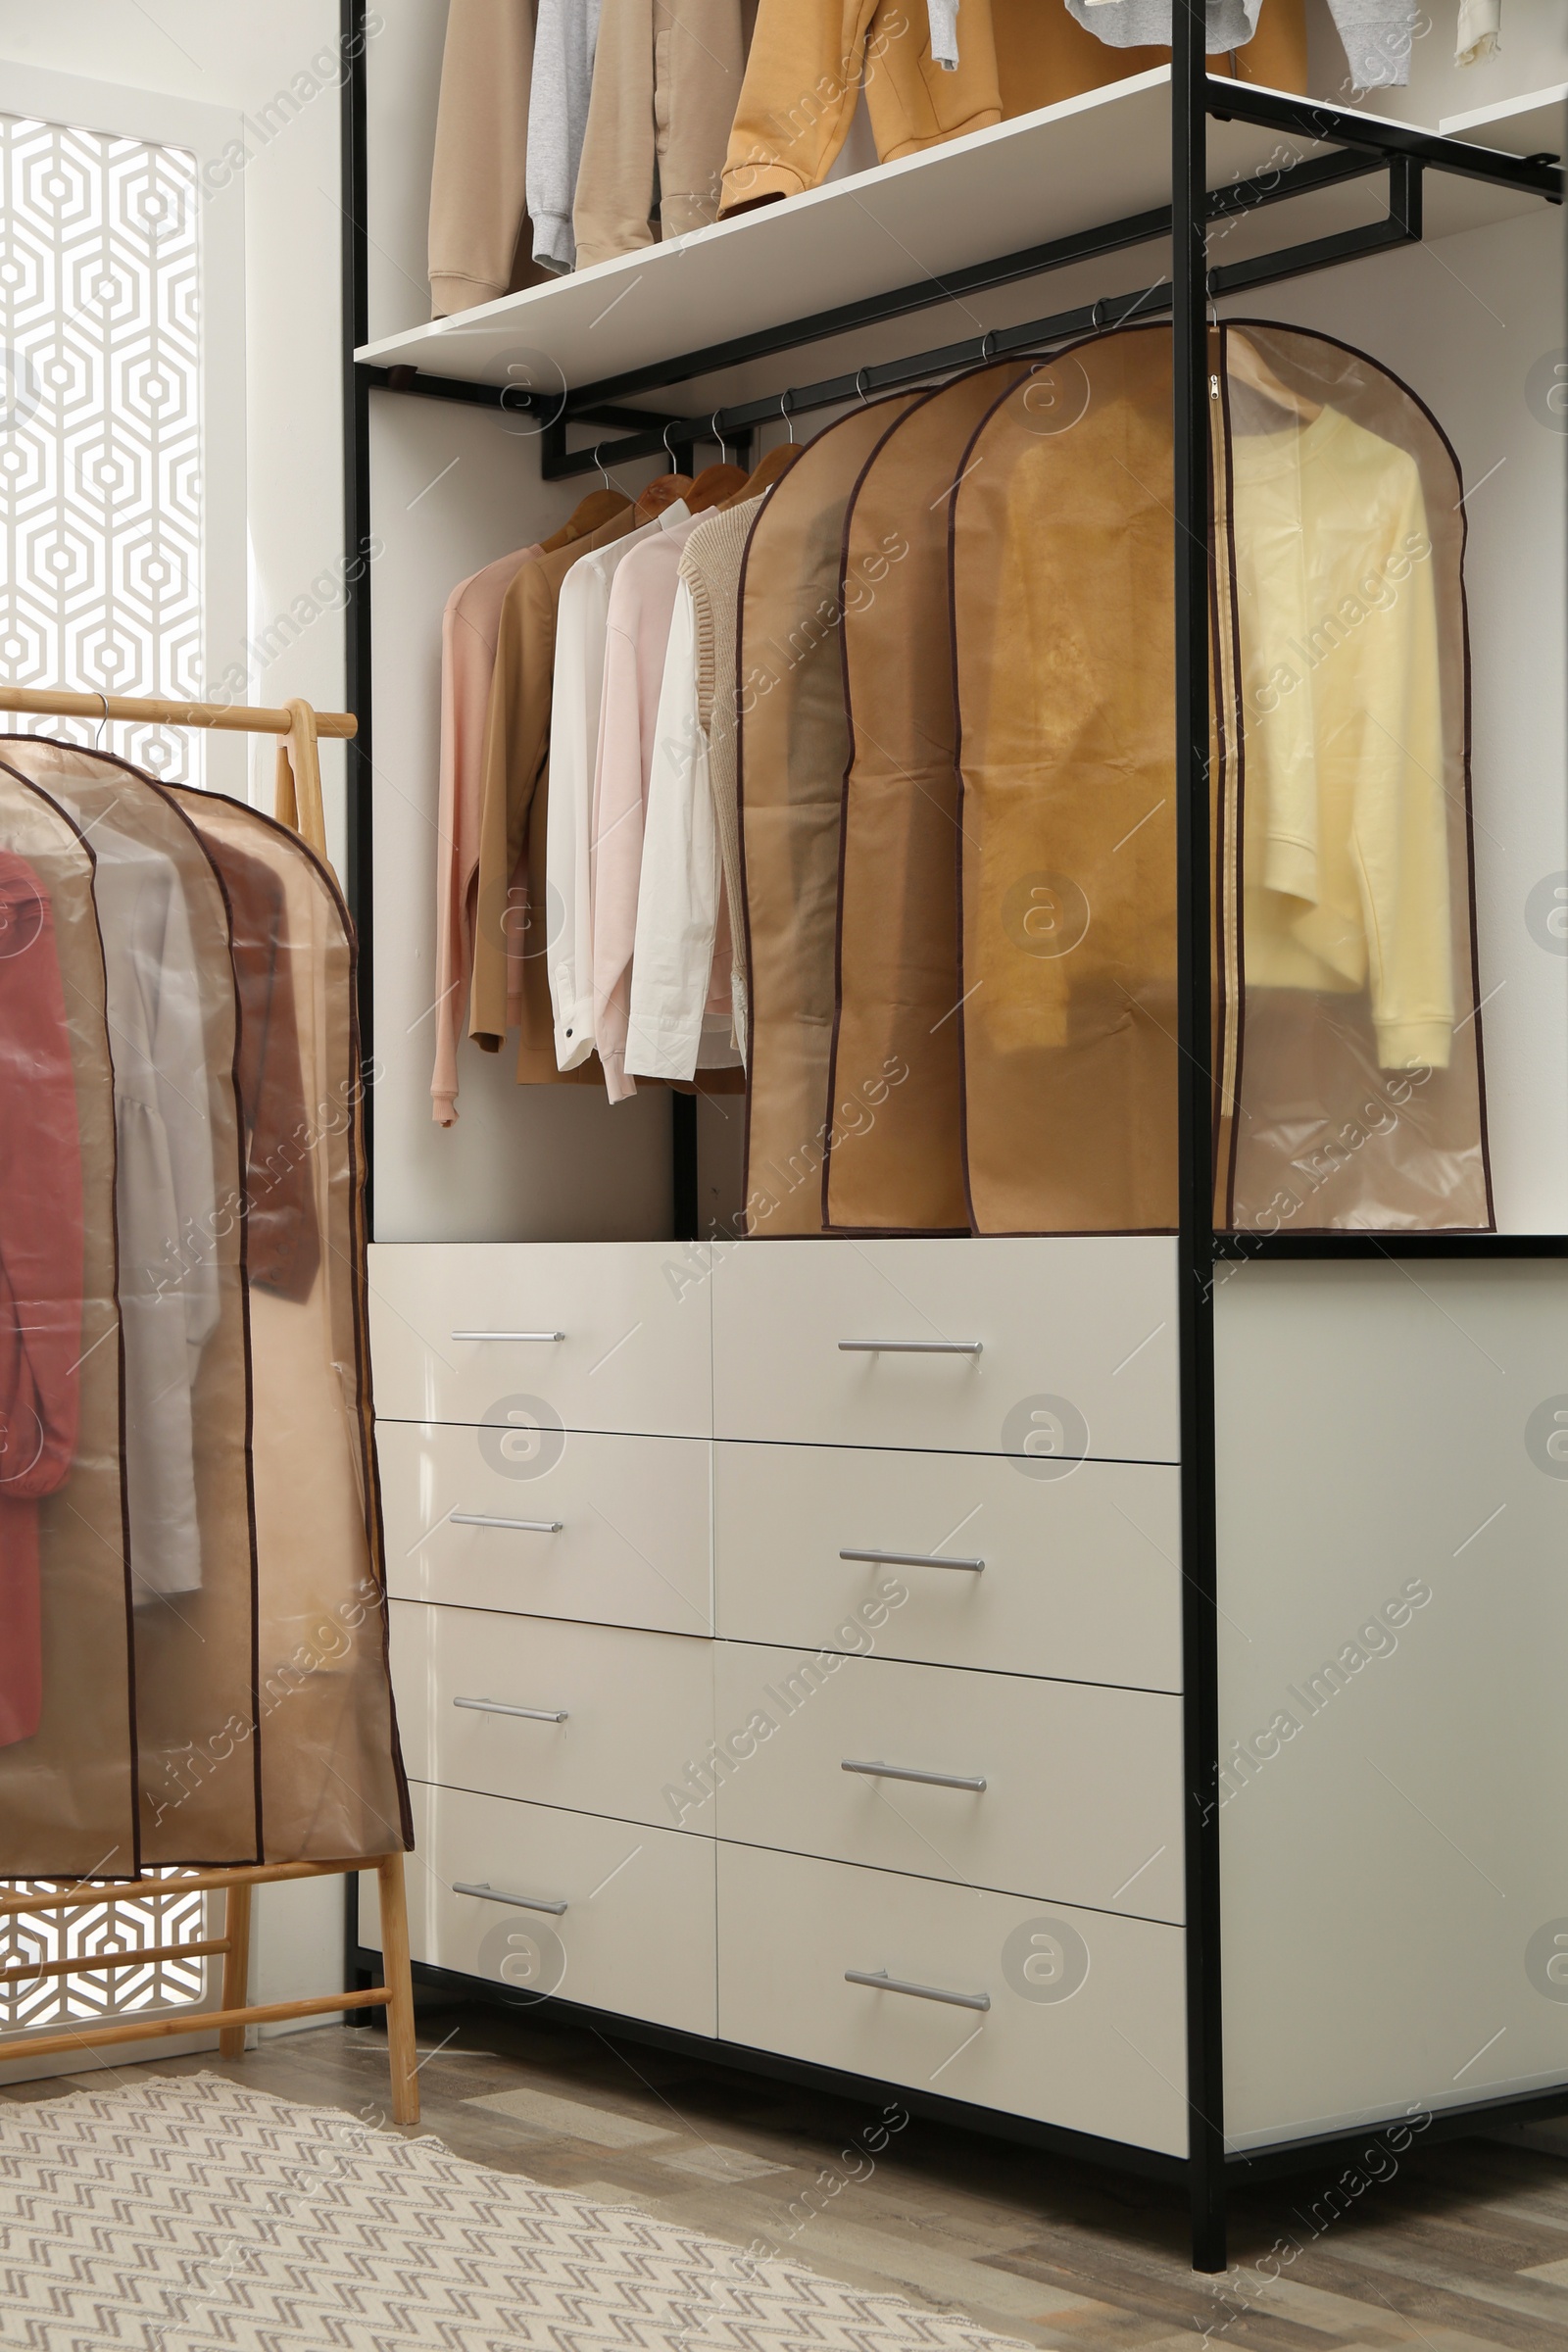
1346, 857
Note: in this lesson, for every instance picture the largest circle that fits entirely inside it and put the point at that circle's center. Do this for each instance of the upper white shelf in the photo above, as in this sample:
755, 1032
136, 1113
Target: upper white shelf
1091, 160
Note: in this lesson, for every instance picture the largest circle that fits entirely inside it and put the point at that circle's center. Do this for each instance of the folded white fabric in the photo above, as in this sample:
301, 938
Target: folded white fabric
1480, 30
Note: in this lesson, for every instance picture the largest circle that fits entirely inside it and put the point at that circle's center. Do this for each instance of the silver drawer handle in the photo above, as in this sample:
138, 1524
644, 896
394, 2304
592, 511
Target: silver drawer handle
907, 1346
881, 1982
499, 1706
910, 1559
509, 1335
522, 1902
527, 1526
912, 1772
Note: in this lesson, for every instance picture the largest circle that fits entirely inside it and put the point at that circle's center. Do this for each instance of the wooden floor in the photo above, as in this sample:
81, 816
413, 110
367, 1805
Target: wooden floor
1464, 2245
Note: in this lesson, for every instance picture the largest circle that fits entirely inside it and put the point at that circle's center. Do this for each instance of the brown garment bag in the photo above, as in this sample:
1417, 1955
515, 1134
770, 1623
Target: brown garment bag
329, 1768
792, 751
896, 1166
1063, 569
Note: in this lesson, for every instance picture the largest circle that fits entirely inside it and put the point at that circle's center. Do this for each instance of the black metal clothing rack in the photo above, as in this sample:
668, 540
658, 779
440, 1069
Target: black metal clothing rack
1362, 148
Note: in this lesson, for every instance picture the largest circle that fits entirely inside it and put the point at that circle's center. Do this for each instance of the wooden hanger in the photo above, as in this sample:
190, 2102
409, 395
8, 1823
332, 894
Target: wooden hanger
660, 494
1247, 364
297, 790
600, 506
714, 486
768, 469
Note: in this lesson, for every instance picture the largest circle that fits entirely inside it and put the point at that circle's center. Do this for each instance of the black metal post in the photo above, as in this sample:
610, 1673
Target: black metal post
356, 394
357, 543
1195, 1128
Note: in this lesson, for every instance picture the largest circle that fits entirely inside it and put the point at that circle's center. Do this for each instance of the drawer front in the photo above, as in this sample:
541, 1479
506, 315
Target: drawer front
635, 1935
610, 1529
613, 1719
1084, 2026
1057, 1789
632, 1351
1076, 1340
1080, 1575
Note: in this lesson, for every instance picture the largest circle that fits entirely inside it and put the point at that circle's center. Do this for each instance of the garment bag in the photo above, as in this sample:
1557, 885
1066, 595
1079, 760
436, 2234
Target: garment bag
896, 1165
1064, 639
329, 1768
792, 750
66, 1743
1350, 1081
172, 1033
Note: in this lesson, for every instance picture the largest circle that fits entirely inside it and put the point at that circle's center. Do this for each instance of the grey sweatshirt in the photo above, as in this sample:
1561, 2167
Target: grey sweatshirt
566, 32
1376, 33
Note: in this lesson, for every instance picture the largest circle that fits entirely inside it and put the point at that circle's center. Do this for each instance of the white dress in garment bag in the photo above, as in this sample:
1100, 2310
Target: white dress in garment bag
164, 1198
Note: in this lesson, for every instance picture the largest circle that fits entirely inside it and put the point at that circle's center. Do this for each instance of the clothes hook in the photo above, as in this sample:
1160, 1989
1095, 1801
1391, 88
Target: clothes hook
987, 347
860, 386
603, 467
98, 738
665, 436
785, 410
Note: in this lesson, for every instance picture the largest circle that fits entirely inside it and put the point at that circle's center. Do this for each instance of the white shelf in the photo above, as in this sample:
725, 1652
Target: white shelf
1068, 167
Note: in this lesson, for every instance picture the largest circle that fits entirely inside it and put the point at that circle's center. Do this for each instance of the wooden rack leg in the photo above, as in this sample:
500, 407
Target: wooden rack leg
398, 1977
237, 1966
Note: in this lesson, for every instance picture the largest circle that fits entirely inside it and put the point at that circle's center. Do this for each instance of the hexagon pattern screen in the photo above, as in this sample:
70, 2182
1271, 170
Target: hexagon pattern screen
100, 427
100, 588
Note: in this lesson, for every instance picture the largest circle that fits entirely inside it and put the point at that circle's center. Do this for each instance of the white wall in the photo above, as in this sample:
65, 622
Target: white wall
240, 57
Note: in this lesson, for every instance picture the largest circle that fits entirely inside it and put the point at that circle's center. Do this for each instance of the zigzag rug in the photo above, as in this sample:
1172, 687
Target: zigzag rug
191, 2214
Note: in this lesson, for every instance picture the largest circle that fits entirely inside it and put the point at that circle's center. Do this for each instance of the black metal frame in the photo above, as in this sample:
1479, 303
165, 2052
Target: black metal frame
1362, 147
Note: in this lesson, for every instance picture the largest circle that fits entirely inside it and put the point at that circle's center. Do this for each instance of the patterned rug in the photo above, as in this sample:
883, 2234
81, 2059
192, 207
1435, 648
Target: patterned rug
191, 2214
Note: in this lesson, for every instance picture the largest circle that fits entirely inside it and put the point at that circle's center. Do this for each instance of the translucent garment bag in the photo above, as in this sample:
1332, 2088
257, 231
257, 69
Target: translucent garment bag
897, 1165
67, 1804
172, 1036
1063, 643
245, 1732
792, 751
330, 1772
1350, 1086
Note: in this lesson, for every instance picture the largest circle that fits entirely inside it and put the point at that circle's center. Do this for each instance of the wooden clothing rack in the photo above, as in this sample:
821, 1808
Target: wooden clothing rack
298, 805
298, 793
395, 1994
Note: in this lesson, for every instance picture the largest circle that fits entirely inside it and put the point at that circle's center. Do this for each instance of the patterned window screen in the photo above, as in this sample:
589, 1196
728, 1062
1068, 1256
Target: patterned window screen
100, 418
100, 590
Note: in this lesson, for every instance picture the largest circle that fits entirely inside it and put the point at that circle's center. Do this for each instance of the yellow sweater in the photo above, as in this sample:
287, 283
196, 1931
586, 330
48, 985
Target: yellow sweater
1346, 857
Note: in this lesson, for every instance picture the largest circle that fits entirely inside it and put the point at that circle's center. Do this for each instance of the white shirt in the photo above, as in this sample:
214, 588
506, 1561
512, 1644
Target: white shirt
671, 1030
575, 692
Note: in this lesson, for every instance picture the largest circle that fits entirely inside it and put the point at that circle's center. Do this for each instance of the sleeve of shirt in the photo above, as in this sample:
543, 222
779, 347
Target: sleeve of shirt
678, 896
616, 857
1401, 823
573, 726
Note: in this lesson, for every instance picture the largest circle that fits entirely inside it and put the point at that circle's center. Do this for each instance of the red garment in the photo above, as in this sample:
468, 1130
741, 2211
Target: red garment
40, 1271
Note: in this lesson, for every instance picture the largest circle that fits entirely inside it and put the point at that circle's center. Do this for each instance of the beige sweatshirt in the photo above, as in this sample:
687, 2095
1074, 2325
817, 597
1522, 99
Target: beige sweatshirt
666, 81
477, 247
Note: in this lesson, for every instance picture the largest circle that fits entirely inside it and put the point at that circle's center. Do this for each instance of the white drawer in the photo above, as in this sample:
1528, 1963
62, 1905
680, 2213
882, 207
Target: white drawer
1107, 2058
632, 1351
1080, 1577
614, 1530
613, 1719
1076, 1338
629, 1926
1079, 1795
